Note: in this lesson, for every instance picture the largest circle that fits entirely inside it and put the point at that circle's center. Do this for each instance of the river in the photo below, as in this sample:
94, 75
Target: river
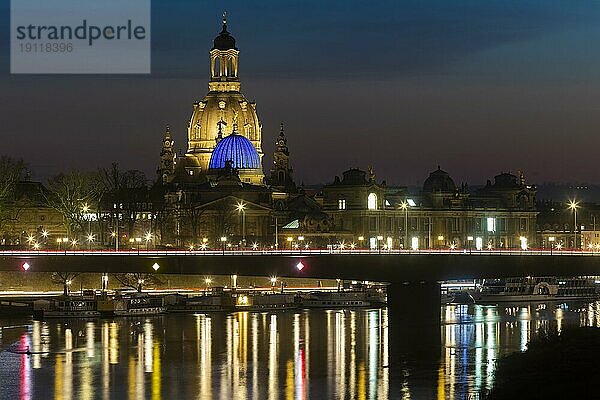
329, 354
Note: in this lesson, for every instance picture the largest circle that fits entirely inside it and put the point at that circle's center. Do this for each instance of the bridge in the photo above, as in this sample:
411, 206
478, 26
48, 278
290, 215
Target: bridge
396, 266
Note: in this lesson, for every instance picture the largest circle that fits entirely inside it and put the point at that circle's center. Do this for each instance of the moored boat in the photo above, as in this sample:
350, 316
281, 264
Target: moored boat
534, 289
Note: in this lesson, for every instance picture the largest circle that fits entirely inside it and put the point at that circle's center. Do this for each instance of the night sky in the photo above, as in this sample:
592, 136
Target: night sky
479, 87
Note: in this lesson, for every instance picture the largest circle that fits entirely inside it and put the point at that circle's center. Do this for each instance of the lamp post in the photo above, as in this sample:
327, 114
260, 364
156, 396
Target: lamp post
379, 239
90, 240
207, 281
361, 239
223, 243
551, 239
85, 209
404, 206
241, 208
148, 238
573, 205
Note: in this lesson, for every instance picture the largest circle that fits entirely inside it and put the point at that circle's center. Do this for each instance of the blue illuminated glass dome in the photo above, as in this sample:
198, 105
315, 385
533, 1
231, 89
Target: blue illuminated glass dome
237, 149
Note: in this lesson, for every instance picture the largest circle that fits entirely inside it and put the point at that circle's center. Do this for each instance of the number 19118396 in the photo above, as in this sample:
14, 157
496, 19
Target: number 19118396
57, 47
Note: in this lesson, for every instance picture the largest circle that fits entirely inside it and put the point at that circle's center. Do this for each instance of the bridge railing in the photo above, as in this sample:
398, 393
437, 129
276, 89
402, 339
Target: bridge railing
298, 252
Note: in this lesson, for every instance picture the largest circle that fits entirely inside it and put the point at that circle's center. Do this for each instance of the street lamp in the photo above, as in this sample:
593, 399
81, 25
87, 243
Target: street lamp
223, 242
241, 208
90, 240
573, 205
207, 281
290, 239
273, 282
404, 206
148, 238
85, 208
551, 239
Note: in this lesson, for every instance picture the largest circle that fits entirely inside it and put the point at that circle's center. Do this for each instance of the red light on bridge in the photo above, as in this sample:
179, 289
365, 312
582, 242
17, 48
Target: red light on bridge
300, 266
25, 266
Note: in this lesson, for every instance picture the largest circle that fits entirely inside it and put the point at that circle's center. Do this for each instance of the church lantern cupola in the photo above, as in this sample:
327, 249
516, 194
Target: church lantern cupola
224, 58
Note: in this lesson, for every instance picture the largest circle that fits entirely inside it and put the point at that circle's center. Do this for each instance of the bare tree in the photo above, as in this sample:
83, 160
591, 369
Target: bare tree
126, 191
137, 280
65, 279
11, 172
69, 193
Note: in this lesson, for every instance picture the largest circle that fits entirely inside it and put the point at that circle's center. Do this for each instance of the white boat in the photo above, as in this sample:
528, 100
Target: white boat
344, 299
66, 307
536, 289
137, 305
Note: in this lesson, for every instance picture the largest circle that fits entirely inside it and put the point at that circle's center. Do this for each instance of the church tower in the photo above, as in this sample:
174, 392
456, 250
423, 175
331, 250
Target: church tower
167, 158
222, 109
281, 172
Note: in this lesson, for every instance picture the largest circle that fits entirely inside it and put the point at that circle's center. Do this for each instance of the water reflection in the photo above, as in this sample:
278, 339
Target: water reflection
294, 355
474, 337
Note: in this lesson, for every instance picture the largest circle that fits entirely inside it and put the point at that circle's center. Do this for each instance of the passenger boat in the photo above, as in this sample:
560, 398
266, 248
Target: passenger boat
265, 301
137, 304
220, 300
215, 300
354, 297
533, 289
66, 307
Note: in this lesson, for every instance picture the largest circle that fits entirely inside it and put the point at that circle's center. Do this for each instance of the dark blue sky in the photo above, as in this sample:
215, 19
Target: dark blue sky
476, 86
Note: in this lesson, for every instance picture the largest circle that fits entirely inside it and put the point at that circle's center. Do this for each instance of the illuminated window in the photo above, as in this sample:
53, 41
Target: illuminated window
478, 243
491, 224
341, 204
372, 201
523, 241
373, 243
414, 243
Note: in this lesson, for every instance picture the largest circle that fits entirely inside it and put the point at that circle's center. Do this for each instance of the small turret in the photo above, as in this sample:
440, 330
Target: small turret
167, 158
281, 172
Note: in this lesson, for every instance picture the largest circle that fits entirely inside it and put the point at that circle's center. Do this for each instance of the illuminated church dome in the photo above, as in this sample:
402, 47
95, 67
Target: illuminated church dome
225, 106
237, 149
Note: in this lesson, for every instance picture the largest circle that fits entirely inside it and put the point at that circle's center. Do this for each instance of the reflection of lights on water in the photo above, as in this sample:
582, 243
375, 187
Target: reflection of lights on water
113, 344
36, 340
105, 360
25, 368
386, 360
273, 384
559, 317
89, 339
373, 350
68, 373
254, 335
148, 351
299, 372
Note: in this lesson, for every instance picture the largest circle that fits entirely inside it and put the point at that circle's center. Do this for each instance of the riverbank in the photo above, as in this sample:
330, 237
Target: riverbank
555, 366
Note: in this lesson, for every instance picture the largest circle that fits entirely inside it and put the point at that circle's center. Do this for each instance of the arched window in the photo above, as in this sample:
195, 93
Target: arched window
217, 67
372, 201
231, 68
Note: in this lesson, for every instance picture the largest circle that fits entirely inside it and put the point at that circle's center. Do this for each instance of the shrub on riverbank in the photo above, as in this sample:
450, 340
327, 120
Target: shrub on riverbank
555, 366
